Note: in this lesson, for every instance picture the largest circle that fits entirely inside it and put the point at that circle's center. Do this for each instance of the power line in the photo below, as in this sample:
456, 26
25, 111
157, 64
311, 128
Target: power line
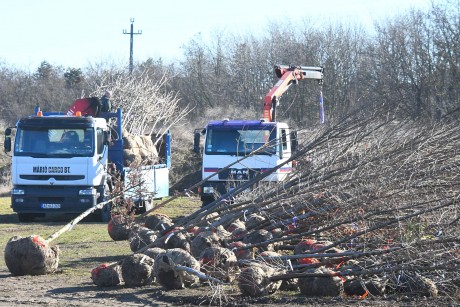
131, 33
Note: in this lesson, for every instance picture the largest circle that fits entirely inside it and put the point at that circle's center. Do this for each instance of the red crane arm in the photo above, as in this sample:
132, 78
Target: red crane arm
287, 75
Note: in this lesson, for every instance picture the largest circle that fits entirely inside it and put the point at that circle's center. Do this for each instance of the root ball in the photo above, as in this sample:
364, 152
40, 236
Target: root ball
106, 275
254, 280
166, 273
202, 241
321, 286
153, 252
31, 256
136, 270
158, 222
119, 228
141, 237
219, 262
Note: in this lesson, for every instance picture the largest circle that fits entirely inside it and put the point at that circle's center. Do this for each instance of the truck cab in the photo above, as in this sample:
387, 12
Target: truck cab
63, 164
263, 145
58, 164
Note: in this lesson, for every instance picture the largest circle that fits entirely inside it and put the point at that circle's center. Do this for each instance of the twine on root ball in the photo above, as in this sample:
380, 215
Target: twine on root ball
254, 280
136, 270
141, 237
153, 252
219, 262
159, 222
167, 274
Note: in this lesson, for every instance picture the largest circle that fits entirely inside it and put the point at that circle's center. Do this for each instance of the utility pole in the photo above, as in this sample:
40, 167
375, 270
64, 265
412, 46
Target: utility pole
131, 33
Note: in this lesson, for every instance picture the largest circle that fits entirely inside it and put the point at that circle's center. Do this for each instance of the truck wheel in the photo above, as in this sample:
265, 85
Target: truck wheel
26, 217
206, 201
106, 213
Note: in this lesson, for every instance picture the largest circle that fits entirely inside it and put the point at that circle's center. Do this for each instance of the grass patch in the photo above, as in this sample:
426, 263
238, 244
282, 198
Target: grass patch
5, 206
179, 207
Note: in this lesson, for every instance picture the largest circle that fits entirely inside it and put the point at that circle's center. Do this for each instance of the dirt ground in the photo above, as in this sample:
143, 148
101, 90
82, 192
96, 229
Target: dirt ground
61, 289
88, 245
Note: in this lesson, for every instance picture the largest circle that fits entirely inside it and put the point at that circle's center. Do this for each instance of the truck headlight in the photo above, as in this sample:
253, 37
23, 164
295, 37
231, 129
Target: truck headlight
87, 192
17, 191
208, 190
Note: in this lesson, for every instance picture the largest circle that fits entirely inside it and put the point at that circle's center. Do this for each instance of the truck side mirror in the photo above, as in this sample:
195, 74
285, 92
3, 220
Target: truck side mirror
294, 142
7, 144
196, 141
7, 141
107, 137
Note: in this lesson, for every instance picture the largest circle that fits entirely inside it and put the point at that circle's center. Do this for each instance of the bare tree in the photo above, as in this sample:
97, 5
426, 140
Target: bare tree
147, 108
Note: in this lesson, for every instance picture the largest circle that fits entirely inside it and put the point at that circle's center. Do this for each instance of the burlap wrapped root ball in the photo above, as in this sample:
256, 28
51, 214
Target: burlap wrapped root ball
31, 256
140, 237
259, 236
138, 149
237, 224
131, 157
239, 233
106, 275
360, 286
147, 149
153, 252
204, 240
274, 259
221, 232
158, 222
173, 239
253, 220
327, 285
254, 280
137, 270
241, 253
220, 263
119, 227
167, 274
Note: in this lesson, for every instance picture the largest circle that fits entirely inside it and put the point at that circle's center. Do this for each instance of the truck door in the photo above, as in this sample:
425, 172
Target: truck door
285, 143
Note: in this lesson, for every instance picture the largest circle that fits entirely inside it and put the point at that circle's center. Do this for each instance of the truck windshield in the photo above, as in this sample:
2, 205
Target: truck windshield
240, 141
43, 142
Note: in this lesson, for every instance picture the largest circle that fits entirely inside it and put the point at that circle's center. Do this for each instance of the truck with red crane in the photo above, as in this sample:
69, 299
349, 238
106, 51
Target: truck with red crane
264, 143
62, 163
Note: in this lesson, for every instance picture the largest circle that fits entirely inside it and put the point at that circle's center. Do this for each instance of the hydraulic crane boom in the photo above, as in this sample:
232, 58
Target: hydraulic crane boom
288, 75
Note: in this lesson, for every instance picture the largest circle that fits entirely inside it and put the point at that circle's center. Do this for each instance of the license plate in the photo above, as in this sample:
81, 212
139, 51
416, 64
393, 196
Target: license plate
51, 206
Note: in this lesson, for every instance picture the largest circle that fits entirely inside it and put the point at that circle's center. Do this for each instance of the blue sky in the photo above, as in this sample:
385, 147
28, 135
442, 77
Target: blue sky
82, 32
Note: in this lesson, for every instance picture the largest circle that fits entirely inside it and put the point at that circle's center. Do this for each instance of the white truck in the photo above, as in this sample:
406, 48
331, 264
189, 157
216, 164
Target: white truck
60, 164
265, 143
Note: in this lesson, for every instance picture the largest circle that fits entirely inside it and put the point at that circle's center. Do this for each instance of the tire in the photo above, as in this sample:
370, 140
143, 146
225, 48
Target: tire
26, 217
106, 213
205, 201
